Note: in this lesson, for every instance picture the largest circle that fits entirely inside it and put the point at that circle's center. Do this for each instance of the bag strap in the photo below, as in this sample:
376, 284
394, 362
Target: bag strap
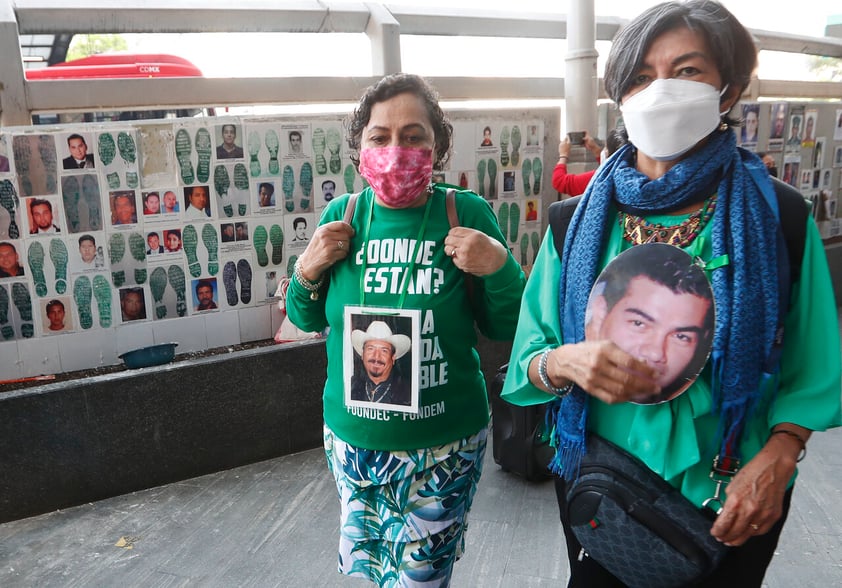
793, 219
349, 208
560, 214
450, 205
453, 219
791, 210
790, 207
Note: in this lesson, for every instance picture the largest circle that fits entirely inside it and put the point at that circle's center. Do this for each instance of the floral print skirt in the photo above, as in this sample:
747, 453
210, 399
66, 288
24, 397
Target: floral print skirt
403, 513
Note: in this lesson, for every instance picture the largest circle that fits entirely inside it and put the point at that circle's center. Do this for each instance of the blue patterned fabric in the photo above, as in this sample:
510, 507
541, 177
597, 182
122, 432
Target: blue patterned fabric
403, 516
745, 290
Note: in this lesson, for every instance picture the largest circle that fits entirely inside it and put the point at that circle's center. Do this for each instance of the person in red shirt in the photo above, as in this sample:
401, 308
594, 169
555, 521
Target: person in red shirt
575, 184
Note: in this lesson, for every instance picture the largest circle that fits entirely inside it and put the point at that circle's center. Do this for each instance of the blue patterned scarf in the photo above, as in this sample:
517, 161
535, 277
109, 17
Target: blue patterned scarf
745, 290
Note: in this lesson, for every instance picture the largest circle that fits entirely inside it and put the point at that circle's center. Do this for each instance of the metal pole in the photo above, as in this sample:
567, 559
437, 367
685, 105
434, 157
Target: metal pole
581, 81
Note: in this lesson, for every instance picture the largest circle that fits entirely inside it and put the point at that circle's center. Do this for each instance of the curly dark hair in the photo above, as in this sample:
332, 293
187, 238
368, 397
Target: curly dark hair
387, 88
730, 44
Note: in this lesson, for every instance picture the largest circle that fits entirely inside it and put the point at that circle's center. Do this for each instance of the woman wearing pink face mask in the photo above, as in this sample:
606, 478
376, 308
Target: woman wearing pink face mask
408, 456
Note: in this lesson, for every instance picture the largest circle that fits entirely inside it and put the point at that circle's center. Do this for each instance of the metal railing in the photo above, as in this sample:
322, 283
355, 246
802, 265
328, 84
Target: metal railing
382, 24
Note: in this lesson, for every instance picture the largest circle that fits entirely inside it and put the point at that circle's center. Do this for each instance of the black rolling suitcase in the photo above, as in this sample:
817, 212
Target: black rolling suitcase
518, 433
519, 437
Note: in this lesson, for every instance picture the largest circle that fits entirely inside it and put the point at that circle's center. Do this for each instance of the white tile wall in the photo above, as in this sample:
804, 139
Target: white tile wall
10, 365
222, 328
188, 332
87, 349
39, 356
255, 323
134, 336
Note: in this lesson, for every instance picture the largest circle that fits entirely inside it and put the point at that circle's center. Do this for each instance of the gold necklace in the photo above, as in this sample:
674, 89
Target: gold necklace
637, 230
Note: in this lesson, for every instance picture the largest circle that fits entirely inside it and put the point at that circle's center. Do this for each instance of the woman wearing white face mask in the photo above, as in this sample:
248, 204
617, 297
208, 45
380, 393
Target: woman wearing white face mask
405, 479
676, 71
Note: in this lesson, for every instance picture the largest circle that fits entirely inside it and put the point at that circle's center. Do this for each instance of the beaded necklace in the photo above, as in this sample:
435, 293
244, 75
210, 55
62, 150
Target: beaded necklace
637, 230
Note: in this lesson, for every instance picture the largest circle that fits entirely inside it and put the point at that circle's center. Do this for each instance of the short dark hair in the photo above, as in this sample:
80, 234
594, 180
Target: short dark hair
296, 133
54, 302
152, 234
386, 89
755, 108
328, 182
76, 136
730, 44
87, 237
672, 269
270, 187
133, 290
233, 127
204, 284
40, 202
299, 219
7, 244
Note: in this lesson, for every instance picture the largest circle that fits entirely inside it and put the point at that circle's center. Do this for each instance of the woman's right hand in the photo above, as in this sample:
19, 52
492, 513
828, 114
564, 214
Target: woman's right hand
330, 243
564, 148
603, 370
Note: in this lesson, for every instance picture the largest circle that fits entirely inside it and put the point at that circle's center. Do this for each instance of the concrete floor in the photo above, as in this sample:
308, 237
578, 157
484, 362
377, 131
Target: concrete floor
274, 523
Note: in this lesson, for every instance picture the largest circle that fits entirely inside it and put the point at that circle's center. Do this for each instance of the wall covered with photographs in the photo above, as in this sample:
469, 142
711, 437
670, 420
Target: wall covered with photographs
115, 236
804, 141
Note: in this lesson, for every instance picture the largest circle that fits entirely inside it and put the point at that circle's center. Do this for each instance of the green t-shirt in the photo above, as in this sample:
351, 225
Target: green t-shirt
453, 401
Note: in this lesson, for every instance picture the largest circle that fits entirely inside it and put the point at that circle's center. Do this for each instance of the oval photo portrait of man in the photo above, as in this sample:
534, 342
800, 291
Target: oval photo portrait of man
654, 303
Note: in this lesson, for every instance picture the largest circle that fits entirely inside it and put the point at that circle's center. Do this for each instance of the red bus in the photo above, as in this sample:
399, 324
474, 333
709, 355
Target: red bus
118, 65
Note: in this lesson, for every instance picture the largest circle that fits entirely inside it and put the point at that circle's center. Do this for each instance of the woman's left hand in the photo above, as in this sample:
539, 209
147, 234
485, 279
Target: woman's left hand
474, 252
756, 494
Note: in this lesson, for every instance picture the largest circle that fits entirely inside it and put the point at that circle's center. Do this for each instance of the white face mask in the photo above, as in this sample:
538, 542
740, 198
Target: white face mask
669, 117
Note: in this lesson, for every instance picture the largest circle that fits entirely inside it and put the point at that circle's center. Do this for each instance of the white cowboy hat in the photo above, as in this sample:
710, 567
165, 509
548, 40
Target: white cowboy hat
380, 331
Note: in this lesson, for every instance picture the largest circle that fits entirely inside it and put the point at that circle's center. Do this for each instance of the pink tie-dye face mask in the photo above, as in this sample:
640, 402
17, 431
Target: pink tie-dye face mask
397, 175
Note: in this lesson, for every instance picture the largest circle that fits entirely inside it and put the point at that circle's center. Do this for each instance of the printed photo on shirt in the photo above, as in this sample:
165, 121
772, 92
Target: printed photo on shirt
382, 358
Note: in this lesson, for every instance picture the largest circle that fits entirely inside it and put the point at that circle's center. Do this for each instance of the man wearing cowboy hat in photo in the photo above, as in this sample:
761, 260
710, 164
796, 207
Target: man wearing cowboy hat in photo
379, 349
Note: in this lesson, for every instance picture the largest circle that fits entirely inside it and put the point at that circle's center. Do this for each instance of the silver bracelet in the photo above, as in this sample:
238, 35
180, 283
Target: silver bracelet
545, 379
311, 287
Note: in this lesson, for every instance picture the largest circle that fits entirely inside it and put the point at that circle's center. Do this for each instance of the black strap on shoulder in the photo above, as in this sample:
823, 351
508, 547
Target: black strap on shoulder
559, 216
793, 212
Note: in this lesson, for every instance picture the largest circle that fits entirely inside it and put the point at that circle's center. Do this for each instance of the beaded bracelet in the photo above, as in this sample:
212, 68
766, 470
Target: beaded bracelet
545, 379
803, 453
312, 287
